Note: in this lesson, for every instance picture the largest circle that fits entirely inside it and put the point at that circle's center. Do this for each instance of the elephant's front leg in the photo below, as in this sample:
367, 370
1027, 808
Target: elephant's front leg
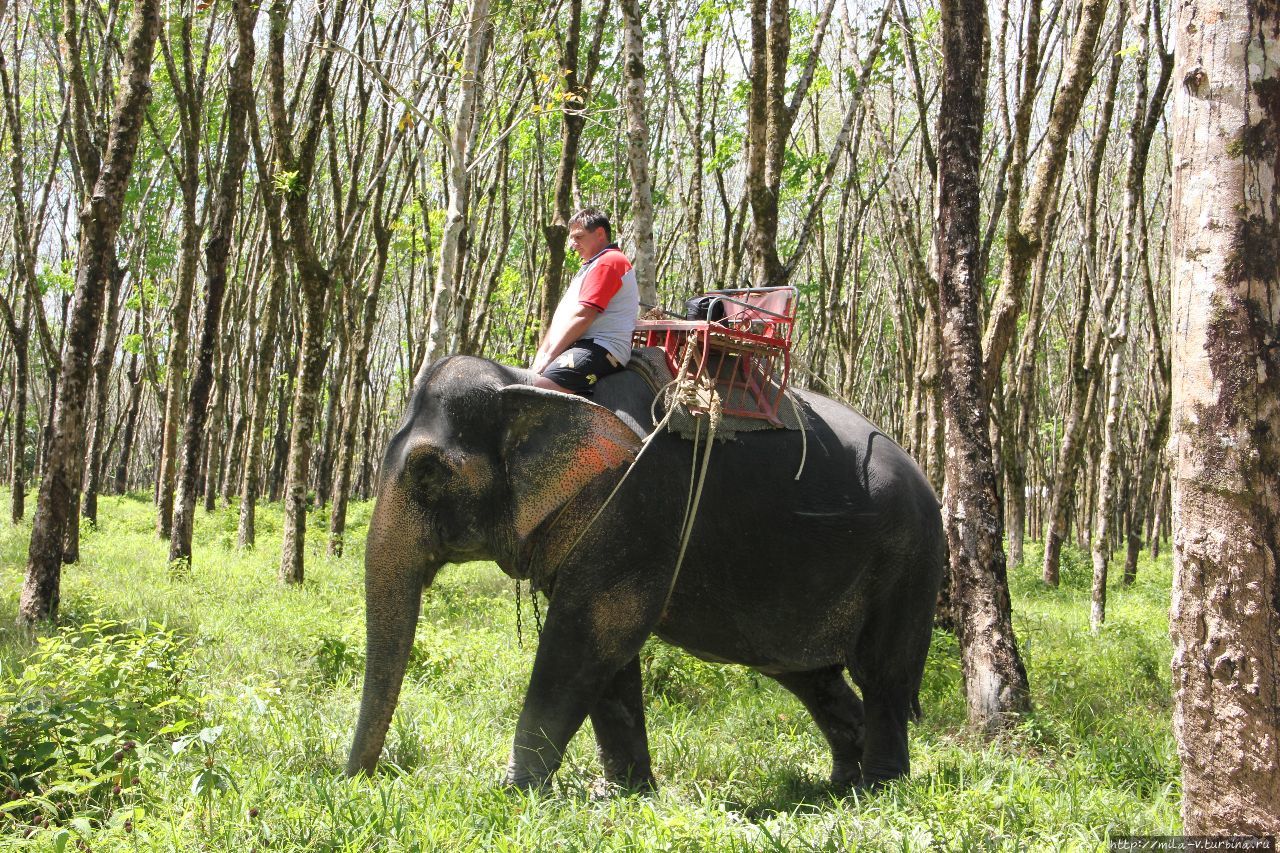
585, 644
618, 719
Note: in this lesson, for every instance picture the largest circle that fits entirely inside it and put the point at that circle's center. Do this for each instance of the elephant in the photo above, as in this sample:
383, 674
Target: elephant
799, 578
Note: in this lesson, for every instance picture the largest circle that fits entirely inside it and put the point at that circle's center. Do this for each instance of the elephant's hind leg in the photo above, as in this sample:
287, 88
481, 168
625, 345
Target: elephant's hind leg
618, 720
838, 713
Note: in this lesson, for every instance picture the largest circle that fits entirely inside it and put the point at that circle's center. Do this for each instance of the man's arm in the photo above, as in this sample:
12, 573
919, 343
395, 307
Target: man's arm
565, 329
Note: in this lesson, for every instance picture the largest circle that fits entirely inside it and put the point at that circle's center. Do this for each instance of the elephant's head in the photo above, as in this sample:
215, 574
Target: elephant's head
480, 461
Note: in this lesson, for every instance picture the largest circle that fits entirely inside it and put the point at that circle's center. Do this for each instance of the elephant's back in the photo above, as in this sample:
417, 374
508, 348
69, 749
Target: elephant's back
783, 570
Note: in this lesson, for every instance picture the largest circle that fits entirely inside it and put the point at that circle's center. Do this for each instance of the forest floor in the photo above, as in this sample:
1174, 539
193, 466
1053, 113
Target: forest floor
215, 711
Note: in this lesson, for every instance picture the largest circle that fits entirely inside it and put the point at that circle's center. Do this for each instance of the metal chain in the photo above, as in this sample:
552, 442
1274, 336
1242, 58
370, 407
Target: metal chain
537, 611
519, 626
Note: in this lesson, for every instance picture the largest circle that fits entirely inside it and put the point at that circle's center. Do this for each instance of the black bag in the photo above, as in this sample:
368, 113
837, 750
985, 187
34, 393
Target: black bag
704, 307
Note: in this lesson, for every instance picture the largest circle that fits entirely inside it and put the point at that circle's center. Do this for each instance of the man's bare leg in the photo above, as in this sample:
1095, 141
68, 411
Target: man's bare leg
541, 381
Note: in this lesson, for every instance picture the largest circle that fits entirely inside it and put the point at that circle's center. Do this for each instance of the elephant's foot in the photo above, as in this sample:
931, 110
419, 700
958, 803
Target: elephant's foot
623, 784
526, 785
846, 774
606, 789
875, 779
870, 788
524, 780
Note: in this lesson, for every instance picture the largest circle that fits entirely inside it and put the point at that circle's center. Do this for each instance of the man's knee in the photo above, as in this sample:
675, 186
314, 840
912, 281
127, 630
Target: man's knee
543, 382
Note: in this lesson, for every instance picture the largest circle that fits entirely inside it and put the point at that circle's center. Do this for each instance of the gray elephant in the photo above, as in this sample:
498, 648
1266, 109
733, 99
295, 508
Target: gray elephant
799, 580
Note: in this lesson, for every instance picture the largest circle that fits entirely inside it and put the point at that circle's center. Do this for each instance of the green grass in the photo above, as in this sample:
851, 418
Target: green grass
222, 704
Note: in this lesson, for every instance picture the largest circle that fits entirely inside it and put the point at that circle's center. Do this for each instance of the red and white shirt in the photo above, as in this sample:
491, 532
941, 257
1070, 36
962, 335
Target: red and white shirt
607, 283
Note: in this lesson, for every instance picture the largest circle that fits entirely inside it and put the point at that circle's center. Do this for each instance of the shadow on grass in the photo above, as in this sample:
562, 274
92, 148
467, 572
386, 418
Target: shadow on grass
790, 791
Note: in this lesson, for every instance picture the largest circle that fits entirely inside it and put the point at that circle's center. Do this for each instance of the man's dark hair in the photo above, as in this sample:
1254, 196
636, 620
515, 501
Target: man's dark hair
591, 219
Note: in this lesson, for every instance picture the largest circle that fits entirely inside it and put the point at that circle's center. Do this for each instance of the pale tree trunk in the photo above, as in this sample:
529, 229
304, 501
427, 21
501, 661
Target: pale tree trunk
1023, 380
994, 677
216, 252
215, 422
1085, 351
121, 477
638, 151
479, 32
25, 261
1024, 241
1225, 448
95, 262
1153, 469
17, 459
266, 354
1130, 261
1158, 432
1101, 543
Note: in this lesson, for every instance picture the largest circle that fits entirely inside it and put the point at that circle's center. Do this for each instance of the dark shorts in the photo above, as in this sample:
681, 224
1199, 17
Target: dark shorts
578, 368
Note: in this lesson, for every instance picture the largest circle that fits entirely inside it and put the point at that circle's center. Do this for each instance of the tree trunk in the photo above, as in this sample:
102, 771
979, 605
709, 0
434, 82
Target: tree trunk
18, 449
315, 280
265, 358
1024, 242
121, 479
456, 219
994, 676
1024, 406
216, 252
1102, 528
95, 460
1226, 402
280, 439
577, 89
638, 151
95, 262
189, 100
216, 427
354, 391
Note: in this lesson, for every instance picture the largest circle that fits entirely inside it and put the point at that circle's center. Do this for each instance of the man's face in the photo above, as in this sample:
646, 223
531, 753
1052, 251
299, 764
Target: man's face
587, 243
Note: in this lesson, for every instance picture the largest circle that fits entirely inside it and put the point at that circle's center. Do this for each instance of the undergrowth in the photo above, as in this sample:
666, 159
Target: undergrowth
214, 711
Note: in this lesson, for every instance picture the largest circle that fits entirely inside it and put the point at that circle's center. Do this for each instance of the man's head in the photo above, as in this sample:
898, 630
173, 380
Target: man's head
589, 232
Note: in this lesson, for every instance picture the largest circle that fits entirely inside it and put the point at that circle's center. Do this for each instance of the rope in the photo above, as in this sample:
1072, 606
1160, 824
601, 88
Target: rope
684, 387
695, 496
644, 445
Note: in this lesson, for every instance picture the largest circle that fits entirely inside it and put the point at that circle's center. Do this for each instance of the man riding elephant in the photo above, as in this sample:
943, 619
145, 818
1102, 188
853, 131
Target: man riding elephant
590, 333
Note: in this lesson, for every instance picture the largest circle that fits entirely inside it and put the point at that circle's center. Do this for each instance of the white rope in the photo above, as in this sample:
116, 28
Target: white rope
695, 496
644, 445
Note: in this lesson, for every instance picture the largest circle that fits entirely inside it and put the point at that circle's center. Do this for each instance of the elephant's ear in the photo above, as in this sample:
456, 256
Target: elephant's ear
553, 446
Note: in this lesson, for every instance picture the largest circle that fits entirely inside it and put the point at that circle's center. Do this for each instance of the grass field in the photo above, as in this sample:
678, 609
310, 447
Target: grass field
214, 712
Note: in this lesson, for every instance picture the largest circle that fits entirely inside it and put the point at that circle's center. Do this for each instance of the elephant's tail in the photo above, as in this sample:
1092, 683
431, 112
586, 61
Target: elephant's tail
916, 713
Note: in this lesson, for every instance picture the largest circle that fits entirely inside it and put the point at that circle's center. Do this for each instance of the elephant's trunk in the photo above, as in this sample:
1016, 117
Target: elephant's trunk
397, 565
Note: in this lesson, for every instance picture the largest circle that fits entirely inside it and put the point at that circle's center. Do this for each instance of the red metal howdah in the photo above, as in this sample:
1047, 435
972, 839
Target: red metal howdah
745, 354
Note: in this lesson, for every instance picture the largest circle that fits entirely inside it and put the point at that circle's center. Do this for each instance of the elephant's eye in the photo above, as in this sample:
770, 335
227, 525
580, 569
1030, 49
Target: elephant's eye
427, 470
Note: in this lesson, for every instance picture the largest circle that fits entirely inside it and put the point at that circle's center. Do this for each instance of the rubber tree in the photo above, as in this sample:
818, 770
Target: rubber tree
1225, 448
217, 253
100, 218
995, 679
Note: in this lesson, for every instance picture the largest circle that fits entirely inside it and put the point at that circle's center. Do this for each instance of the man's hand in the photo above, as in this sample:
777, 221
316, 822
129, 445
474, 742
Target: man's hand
565, 329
